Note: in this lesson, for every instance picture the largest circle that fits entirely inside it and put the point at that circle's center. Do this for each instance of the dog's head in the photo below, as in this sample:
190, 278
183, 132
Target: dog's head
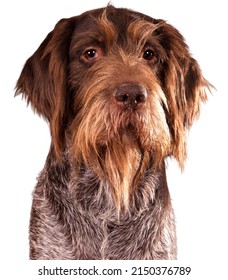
120, 85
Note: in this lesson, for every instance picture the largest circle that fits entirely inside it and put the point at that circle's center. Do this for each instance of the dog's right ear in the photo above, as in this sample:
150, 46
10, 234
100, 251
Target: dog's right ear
43, 80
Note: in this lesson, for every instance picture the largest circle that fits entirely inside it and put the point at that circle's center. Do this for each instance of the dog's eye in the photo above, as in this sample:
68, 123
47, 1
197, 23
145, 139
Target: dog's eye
90, 54
149, 54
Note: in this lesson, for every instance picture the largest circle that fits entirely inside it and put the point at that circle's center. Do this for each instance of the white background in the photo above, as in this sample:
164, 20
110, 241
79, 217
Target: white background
199, 194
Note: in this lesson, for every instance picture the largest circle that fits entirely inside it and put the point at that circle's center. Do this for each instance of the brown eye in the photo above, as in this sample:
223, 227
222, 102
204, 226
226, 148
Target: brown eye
90, 54
149, 54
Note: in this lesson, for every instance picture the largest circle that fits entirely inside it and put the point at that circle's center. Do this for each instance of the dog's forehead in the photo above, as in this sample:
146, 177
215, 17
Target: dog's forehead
120, 19
85, 23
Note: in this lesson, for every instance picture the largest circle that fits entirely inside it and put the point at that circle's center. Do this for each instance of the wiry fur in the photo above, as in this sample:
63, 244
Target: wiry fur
103, 193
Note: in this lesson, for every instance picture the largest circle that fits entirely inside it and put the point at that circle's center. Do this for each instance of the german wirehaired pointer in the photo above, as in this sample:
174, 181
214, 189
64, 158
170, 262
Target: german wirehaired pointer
119, 90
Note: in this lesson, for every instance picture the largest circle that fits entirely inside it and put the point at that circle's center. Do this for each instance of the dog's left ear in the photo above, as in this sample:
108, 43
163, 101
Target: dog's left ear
43, 80
184, 85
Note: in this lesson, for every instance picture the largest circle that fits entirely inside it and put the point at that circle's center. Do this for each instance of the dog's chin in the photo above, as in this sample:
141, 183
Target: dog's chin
129, 135
141, 131
129, 128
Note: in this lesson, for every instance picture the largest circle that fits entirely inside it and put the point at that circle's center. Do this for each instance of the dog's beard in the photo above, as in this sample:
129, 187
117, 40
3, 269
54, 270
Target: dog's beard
120, 146
122, 165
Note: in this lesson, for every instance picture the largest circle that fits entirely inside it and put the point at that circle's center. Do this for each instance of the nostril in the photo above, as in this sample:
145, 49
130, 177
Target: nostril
121, 97
141, 97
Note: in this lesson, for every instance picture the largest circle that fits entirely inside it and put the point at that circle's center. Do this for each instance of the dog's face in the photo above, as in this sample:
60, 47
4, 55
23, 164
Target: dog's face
120, 88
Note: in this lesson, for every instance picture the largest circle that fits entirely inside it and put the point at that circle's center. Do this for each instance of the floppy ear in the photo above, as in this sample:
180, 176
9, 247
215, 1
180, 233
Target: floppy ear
184, 85
43, 80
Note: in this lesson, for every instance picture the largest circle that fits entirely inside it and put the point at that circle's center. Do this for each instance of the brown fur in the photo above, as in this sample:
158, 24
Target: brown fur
114, 118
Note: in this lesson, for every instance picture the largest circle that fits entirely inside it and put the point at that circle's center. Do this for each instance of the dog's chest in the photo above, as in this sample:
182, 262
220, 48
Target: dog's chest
97, 224
107, 237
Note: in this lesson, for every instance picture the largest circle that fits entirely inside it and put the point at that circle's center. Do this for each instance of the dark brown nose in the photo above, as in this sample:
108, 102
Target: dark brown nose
130, 95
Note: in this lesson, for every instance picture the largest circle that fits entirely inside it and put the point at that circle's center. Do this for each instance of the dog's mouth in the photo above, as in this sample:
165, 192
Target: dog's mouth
132, 128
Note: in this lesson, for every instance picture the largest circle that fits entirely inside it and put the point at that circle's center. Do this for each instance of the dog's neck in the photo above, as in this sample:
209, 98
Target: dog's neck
138, 180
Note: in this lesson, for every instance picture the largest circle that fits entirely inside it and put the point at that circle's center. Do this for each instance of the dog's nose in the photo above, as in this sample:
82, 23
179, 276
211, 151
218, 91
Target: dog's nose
130, 95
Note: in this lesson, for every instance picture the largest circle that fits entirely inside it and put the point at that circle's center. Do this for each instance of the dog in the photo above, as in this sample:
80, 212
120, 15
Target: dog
119, 90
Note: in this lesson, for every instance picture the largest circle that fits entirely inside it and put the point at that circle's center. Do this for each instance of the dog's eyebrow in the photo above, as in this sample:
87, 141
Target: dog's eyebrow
87, 37
141, 30
82, 41
93, 32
